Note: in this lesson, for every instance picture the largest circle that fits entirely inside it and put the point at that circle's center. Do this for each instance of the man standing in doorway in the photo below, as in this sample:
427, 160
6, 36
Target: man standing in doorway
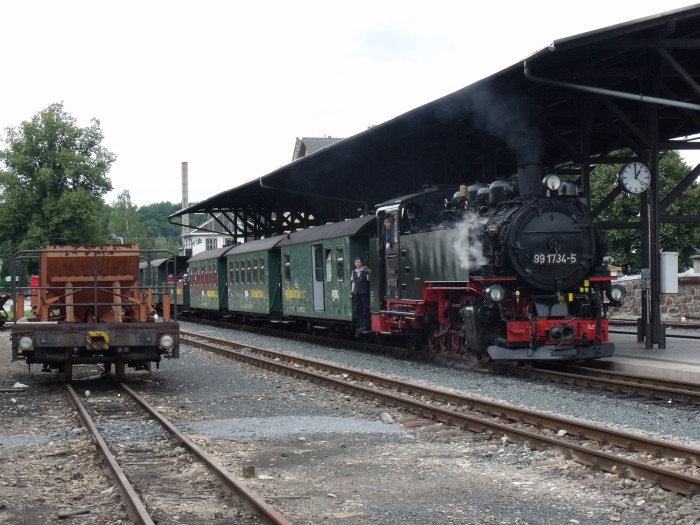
360, 291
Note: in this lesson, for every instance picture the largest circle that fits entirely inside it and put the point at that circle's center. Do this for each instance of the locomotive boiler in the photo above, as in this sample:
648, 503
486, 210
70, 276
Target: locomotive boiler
512, 270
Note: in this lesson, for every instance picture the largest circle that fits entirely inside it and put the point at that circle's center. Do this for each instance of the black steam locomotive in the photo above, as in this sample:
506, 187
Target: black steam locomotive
506, 271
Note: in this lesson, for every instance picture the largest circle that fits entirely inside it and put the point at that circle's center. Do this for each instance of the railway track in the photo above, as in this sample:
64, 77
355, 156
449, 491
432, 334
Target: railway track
168, 470
674, 329
669, 465
665, 390
582, 376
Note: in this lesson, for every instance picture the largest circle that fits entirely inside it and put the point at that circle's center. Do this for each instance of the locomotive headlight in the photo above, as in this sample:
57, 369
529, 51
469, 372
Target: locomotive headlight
616, 293
25, 343
552, 182
496, 293
167, 341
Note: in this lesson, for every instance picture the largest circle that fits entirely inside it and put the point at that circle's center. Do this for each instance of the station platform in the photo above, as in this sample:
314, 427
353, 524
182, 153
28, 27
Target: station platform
680, 360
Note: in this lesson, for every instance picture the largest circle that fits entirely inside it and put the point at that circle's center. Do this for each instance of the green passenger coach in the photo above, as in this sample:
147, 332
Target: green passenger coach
316, 267
254, 278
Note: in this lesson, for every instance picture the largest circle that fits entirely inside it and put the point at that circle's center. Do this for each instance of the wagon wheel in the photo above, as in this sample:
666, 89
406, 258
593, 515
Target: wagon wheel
456, 341
414, 342
120, 369
432, 344
68, 370
444, 343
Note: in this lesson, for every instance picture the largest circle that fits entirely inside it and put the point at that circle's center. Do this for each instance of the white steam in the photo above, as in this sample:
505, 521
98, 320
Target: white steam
468, 247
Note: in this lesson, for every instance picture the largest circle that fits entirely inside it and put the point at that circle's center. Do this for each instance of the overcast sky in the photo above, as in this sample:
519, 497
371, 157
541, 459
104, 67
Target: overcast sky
228, 86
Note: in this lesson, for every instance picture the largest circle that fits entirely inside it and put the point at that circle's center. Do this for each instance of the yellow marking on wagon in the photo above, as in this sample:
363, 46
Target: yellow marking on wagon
97, 341
294, 294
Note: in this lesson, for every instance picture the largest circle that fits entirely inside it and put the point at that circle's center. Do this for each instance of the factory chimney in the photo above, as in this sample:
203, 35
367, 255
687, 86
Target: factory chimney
185, 199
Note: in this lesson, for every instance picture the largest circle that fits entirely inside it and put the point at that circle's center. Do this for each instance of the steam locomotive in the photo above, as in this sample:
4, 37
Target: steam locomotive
510, 271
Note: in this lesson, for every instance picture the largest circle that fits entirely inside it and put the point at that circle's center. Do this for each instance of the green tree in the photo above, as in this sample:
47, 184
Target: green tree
625, 245
52, 181
124, 220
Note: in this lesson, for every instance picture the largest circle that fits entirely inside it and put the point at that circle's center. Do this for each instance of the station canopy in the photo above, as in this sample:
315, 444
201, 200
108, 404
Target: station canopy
568, 107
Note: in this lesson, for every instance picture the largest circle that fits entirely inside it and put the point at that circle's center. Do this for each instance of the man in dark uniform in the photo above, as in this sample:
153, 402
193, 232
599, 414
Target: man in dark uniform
360, 291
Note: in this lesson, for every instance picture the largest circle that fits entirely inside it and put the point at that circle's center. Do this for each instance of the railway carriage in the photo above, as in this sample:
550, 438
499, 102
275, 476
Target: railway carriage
316, 267
207, 282
161, 274
254, 288
88, 307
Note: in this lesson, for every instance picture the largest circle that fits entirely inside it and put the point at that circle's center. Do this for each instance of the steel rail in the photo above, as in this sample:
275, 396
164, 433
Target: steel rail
235, 486
134, 506
677, 391
672, 480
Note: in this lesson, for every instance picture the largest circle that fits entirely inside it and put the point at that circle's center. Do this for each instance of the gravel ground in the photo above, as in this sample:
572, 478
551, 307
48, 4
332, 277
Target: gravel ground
676, 422
322, 457
508, 470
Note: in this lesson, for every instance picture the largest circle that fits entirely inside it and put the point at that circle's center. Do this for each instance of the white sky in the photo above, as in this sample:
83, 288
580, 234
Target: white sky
228, 85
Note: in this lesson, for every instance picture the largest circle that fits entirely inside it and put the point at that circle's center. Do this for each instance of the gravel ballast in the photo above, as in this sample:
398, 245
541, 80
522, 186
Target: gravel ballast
322, 457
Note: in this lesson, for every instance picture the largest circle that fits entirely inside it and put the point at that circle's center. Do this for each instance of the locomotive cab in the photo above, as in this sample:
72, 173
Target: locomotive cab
411, 249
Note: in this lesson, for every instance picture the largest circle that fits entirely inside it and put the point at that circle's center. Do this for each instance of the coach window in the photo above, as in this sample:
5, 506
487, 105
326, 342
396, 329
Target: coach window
329, 265
339, 260
262, 270
249, 279
255, 270
287, 269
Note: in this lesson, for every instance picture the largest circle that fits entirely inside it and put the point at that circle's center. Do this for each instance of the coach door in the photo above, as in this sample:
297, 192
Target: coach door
317, 256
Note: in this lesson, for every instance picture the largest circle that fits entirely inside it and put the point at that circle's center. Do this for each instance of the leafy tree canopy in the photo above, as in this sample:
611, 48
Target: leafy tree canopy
625, 245
52, 181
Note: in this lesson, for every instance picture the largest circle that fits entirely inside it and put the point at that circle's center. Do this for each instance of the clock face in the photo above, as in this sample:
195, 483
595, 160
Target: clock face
634, 177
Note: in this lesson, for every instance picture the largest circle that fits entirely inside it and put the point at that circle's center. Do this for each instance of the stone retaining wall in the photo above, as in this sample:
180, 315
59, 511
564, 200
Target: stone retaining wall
686, 303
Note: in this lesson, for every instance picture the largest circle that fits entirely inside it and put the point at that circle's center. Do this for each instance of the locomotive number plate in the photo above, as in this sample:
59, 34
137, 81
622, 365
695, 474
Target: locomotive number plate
554, 258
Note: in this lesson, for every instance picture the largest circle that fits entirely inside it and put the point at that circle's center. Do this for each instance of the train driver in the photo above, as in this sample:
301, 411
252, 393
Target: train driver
388, 232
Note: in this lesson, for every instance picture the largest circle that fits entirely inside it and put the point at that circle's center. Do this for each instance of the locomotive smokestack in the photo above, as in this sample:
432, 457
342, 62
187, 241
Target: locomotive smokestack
529, 179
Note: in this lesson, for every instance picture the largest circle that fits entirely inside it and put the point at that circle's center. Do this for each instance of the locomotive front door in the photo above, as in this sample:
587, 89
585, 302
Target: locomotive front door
391, 252
318, 260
